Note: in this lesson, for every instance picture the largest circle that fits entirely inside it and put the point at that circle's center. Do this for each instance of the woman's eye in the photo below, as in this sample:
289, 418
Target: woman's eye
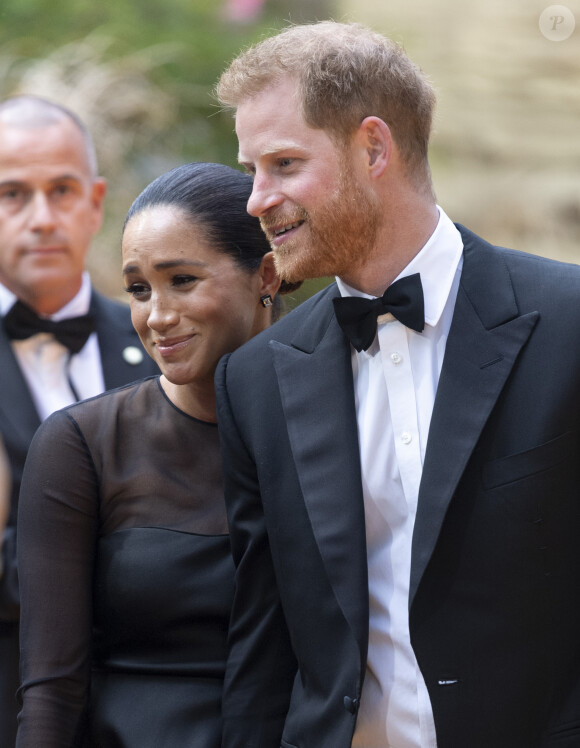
137, 290
182, 280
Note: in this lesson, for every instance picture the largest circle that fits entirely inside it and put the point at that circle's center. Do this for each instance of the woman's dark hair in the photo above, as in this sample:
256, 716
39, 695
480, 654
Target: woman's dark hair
214, 196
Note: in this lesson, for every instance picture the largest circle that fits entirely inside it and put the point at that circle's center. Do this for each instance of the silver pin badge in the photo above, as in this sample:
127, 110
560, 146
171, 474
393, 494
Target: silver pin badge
133, 355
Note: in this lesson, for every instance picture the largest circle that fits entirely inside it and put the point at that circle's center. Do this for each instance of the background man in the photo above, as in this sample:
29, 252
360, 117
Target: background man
51, 205
404, 507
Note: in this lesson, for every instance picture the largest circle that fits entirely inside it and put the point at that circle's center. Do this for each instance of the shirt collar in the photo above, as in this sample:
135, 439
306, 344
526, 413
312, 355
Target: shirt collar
76, 307
436, 262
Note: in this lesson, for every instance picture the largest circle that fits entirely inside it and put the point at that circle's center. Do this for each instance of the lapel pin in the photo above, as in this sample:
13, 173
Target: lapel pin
133, 355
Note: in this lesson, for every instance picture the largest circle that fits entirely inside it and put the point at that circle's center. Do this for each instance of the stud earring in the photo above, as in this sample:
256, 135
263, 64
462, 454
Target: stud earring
266, 300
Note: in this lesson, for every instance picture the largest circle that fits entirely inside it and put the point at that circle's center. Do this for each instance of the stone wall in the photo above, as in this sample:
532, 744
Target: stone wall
506, 148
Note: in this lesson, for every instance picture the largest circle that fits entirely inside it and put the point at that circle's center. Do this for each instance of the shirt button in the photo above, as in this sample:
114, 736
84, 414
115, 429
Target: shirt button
396, 358
351, 705
406, 437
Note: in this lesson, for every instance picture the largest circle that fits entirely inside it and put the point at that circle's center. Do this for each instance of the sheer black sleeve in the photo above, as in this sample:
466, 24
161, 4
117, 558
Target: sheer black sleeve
57, 530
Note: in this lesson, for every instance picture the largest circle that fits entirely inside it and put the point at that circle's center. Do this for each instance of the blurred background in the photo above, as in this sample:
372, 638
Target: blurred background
506, 149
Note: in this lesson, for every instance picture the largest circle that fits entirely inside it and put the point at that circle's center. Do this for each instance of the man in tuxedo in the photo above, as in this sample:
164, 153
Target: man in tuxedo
60, 340
401, 451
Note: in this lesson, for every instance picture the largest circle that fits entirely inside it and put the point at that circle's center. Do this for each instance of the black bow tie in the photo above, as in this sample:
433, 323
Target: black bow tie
22, 322
358, 317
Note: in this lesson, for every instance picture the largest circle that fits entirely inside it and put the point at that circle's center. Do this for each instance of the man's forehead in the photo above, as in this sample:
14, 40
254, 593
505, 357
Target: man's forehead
24, 156
269, 122
280, 94
29, 116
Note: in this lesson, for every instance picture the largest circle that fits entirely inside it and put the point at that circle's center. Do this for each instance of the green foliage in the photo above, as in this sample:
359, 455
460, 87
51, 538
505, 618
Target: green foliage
203, 44
202, 40
140, 73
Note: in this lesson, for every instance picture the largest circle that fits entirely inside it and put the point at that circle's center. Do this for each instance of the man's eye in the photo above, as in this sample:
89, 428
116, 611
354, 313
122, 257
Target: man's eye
62, 189
12, 193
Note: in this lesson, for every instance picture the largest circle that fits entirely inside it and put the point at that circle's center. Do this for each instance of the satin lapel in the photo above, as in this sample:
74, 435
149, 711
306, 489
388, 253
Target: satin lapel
16, 405
122, 358
485, 339
315, 380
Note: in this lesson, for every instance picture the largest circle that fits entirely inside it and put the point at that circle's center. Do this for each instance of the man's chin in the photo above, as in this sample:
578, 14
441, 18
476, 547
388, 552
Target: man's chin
287, 266
296, 272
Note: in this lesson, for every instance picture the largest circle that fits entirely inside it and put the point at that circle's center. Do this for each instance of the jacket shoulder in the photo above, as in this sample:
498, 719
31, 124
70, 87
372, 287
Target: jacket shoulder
537, 282
516, 259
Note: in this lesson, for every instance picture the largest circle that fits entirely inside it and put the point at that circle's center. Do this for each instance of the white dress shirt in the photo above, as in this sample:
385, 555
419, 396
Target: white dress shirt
54, 377
395, 382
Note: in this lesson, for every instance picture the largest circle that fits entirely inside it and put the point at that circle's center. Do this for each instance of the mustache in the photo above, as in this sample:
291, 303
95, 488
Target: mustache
274, 221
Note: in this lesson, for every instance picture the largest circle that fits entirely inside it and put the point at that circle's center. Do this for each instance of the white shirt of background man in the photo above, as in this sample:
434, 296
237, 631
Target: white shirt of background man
55, 378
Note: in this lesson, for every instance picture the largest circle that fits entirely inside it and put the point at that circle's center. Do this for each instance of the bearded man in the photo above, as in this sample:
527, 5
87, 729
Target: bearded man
399, 451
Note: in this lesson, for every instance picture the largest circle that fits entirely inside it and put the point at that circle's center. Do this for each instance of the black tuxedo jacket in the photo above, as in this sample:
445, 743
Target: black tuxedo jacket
18, 422
495, 578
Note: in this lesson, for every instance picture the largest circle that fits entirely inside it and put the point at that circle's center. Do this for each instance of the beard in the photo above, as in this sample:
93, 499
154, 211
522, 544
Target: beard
335, 239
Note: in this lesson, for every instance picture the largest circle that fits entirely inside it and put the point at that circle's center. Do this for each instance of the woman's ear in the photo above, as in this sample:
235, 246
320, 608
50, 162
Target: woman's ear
269, 279
375, 139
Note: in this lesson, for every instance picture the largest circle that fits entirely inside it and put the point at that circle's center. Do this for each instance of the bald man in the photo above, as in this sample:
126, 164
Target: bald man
60, 340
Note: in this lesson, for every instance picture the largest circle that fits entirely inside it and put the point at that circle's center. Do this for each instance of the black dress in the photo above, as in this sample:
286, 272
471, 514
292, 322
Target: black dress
126, 577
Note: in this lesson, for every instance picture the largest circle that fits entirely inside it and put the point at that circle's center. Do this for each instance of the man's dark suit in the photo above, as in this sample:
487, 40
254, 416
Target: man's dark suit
18, 422
495, 577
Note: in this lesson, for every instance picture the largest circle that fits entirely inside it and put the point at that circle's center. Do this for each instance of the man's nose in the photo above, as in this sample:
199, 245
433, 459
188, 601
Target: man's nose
42, 218
265, 196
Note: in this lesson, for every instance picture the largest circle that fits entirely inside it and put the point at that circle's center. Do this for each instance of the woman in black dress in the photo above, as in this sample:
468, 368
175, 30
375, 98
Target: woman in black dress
125, 571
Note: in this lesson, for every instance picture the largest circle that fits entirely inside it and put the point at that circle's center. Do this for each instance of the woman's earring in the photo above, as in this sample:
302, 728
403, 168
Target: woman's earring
266, 300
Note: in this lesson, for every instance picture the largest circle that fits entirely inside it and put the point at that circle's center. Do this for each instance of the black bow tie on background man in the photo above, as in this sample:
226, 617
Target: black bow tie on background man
22, 322
358, 317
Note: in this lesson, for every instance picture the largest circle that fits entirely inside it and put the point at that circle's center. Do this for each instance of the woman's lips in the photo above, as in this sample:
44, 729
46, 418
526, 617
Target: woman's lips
173, 345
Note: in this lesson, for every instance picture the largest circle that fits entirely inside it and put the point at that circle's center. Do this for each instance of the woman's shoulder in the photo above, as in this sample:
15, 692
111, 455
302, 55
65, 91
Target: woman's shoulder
94, 412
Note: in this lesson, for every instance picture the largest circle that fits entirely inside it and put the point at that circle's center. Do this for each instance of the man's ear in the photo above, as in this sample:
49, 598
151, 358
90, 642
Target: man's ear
374, 138
269, 279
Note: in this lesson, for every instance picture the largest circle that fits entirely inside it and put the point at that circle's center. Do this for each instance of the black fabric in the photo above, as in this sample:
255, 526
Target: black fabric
495, 561
9, 587
22, 322
9, 651
358, 317
125, 577
18, 422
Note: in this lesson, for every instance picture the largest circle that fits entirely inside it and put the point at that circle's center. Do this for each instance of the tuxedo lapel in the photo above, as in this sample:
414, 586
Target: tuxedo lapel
486, 336
122, 358
16, 405
115, 334
315, 381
